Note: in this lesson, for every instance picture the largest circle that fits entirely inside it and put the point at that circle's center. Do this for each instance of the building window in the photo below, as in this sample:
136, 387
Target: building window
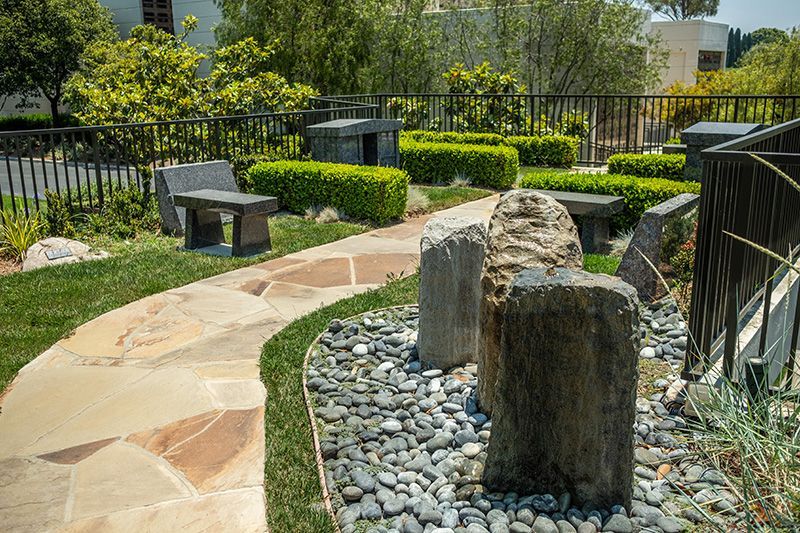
709, 61
159, 14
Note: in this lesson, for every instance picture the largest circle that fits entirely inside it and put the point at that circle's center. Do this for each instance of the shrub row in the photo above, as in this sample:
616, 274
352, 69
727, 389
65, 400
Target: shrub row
487, 166
362, 192
666, 166
537, 151
640, 193
36, 121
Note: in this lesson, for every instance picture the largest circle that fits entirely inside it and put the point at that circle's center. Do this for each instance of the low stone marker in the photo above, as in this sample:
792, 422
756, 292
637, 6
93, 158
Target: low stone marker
450, 264
647, 239
702, 135
58, 251
566, 388
527, 229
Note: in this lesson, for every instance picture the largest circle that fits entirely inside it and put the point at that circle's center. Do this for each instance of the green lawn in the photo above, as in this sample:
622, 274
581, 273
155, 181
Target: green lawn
446, 196
40, 307
602, 264
292, 483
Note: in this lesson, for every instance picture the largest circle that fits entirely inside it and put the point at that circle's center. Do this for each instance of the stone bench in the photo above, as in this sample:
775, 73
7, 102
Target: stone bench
204, 223
595, 211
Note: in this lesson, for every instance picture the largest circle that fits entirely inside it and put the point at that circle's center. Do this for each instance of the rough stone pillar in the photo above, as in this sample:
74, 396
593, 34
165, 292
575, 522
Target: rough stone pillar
527, 229
450, 264
566, 388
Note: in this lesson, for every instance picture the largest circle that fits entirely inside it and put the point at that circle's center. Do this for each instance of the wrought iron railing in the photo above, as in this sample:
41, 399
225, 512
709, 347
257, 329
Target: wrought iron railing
745, 198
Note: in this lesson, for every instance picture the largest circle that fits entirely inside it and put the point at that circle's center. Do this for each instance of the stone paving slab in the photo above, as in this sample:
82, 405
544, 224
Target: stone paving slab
151, 417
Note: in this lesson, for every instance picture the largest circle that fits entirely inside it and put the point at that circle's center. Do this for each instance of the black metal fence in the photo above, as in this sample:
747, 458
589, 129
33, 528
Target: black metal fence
732, 279
608, 124
85, 164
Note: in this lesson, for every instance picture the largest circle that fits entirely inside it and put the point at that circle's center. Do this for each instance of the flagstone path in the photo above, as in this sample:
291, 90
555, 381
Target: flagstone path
151, 417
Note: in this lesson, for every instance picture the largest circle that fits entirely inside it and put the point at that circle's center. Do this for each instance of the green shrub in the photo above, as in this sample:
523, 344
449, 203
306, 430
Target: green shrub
452, 137
640, 193
126, 213
483, 166
241, 163
36, 121
362, 192
546, 150
535, 151
57, 217
665, 166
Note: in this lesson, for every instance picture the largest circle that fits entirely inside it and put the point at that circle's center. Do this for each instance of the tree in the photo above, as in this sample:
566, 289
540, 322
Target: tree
153, 76
768, 35
588, 46
684, 9
42, 42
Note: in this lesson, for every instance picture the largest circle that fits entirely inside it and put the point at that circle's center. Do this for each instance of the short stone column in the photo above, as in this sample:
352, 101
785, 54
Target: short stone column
451, 258
704, 135
565, 401
527, 229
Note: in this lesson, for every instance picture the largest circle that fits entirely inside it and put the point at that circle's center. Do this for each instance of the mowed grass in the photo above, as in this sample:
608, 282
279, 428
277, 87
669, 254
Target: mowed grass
443, 197
294, 497
38, 308
601, 264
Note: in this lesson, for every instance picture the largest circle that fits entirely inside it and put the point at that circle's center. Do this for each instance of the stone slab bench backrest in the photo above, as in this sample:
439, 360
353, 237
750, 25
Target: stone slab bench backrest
215, 175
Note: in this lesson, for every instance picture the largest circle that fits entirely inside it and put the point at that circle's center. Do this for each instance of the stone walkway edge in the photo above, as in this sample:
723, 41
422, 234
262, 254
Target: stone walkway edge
151, 417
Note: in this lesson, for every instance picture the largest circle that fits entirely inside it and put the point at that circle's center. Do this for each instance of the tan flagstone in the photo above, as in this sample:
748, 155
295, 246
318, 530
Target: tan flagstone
334, 272
226, 453
297, 300
237, 394
53, 357
45, 399
374, 244
214, 304
241, 511
167, 331
76, 454
274, 265
375, 268
245, 369
160, 397
105, 335
33, 494
121, 477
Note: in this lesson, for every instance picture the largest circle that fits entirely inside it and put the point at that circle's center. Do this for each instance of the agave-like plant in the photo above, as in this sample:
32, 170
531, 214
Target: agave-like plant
18, 232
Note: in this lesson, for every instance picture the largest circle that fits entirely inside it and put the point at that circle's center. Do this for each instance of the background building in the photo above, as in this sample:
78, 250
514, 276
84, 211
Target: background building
693, 45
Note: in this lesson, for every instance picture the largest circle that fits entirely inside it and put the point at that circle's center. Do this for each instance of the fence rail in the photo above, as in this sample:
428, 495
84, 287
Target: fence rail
745, 198
85, 164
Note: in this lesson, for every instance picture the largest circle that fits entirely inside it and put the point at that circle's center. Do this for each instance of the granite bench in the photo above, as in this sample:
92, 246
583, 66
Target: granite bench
595, 211
204, 223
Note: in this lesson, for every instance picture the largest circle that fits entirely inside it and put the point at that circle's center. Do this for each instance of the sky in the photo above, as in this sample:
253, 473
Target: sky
753, 14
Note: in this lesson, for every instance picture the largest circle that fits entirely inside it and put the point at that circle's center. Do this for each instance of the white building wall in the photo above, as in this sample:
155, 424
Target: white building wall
685, 40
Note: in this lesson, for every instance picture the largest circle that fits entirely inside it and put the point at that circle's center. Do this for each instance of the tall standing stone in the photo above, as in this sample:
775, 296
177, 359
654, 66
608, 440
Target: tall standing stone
451, 258
566, 388
527, 230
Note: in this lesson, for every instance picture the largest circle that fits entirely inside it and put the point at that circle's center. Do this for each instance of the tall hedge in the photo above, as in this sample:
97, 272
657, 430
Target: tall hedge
363, 192
666, 166
487, 166
640, 193
535, 151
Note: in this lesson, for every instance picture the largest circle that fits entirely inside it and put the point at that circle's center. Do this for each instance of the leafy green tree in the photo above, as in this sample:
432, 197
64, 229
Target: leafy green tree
684, 9
153, 76
768, 35
42, 42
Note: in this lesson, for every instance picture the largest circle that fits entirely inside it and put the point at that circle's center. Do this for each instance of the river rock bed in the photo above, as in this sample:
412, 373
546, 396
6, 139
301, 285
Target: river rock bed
404, 447
664, 333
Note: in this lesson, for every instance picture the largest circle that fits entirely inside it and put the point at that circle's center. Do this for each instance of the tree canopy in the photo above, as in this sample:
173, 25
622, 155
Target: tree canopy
153, 76
42, 42
684, 9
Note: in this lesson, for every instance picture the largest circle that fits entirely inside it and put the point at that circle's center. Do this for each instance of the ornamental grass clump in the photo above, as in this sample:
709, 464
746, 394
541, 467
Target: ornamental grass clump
18, 232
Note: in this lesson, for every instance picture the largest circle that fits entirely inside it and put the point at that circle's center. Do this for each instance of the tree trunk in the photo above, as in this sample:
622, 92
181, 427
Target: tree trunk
54, 111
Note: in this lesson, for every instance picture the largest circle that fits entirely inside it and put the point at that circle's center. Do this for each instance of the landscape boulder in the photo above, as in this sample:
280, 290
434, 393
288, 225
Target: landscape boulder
451, 259
58, 251
565, 403
526, 230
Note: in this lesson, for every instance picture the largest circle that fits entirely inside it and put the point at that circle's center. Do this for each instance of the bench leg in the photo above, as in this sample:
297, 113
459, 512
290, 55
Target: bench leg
250, 235
595, 234
203, 228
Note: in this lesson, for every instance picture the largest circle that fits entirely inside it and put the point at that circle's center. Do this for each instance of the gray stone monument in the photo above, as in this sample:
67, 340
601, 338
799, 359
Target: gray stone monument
527, 229
450, 264
566, 388
704, 135
363, 141
647, 239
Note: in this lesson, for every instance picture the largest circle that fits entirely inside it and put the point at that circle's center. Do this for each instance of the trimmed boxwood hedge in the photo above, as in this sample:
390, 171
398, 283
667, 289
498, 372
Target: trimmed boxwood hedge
536, 151
362, 192
486, 166
666, 166
546, 150
640, 193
